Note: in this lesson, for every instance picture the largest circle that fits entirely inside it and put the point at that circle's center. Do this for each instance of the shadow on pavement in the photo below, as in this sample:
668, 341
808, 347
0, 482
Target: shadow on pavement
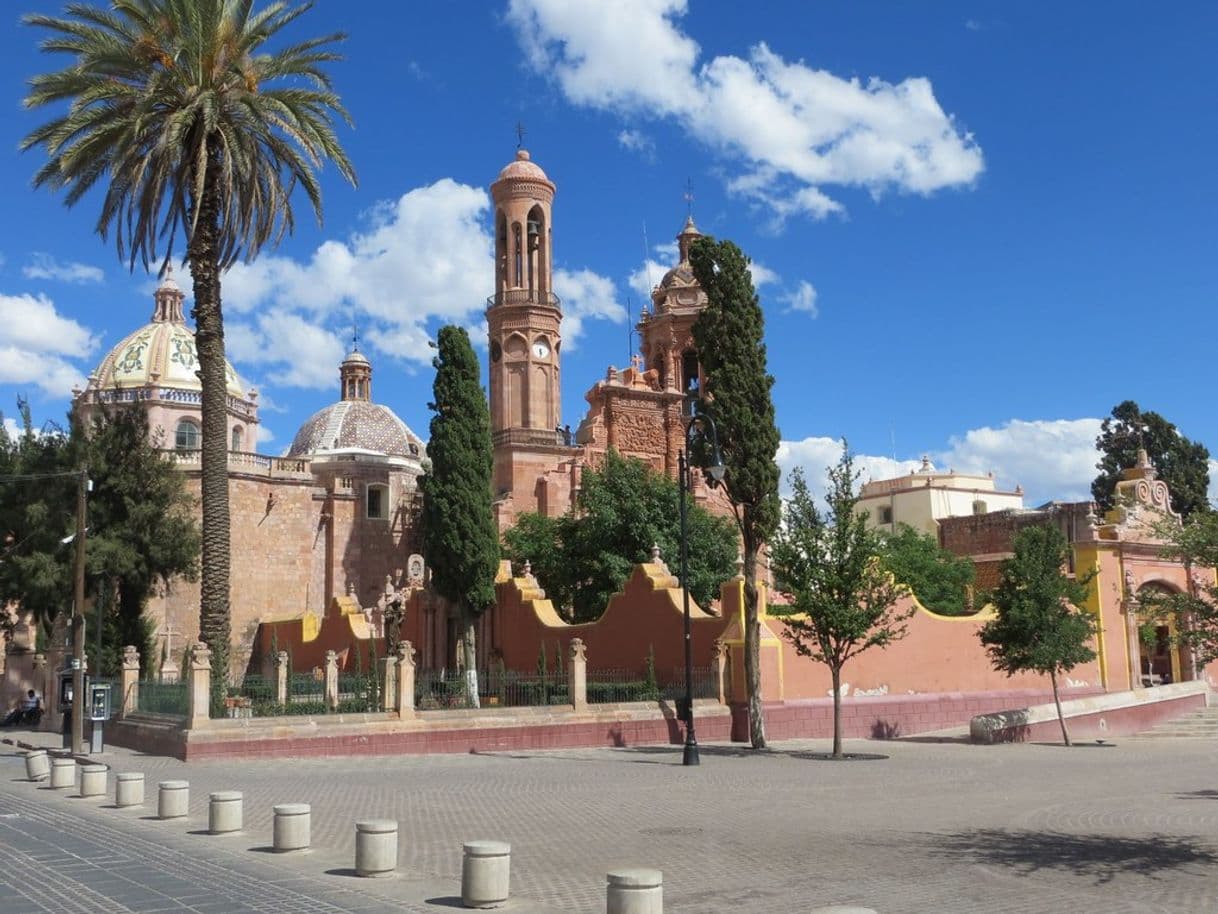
448, 901
1198, 795
1098, 857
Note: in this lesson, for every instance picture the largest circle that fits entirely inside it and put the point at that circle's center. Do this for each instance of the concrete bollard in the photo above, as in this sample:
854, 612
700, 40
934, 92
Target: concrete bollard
635, 891
129, 789
173, 799
63, 773
485, 873
224, 814
37, 765
291, 827
376, 847
93, 780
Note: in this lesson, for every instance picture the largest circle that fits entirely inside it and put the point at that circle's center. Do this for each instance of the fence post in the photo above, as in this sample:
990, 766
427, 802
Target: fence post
281, 678
721, 670
129, 681
389, 692
332, 680
405, 683
198, 713
577, 674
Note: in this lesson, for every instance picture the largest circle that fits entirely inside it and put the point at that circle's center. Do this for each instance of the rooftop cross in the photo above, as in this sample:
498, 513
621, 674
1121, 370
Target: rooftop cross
689, 197
519, 135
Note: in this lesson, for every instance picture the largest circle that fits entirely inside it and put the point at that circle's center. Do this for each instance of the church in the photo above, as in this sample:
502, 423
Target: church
337, 515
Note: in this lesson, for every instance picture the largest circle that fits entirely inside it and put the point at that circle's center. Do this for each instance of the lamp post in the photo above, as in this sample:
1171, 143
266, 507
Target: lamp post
714, 469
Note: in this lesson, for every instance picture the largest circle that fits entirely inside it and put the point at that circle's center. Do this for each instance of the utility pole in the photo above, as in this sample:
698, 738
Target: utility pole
78, 617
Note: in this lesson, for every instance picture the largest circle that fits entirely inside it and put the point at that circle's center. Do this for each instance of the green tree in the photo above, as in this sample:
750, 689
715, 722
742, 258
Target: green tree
1195, 542
141, 526
939, 579
1039, 627
730, 338
832, 565
191, 125
623, 508
1181, 463
460, 541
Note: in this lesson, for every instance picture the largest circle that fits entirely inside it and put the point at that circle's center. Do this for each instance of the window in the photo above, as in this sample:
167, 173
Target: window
979, 507
883, 515
378, 502
186, 438
236, 438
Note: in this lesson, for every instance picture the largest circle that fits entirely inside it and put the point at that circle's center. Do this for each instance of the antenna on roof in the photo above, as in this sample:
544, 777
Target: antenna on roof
629, 330
647, 259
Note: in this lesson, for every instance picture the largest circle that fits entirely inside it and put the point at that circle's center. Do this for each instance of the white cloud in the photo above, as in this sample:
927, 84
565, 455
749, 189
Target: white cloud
762, 275
790, 129
44, 266
12, 428
262, 434
1052, 459
1212, 492
637, 141
38, 344
802, 299
424, 257
585, 296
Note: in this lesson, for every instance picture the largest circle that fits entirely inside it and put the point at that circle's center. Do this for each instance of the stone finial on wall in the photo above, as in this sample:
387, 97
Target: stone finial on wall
200, 656
131, 657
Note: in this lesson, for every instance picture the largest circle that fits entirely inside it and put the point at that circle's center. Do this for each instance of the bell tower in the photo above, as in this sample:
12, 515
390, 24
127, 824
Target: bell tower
524, 326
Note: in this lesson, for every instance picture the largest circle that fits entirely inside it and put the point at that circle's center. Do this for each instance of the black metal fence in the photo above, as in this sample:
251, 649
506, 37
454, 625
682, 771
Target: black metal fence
163, 698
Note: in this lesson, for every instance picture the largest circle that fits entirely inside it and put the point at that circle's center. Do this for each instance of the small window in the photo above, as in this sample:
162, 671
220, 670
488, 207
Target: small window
236, 438
186, 438
883, 515
980, 507
378, 502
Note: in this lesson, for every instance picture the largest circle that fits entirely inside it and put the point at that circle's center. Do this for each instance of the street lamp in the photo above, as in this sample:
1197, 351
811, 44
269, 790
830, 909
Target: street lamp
714, 469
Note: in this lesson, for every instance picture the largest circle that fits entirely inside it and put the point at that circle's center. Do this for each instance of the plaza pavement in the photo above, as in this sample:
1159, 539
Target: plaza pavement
935, 827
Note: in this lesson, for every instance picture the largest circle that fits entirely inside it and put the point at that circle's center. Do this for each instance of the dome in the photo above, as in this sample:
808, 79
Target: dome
523, 167
161, 353
682, 274
356, 425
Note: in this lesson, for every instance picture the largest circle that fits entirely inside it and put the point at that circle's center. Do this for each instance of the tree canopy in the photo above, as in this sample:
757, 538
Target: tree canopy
941, 580
832, 565
730, 338
1039, 627
460, 540
142, 530
624, 507
1181, 463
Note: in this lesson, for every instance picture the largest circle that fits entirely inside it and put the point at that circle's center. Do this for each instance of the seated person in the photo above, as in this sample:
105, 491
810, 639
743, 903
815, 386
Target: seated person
29, 711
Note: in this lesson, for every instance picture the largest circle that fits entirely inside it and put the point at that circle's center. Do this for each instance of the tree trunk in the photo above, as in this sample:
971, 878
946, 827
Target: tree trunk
203, 251
752, 647
836, 673
1061, 719
470, 650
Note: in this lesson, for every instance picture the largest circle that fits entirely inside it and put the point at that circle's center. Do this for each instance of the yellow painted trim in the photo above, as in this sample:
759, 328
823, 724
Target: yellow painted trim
1089, 557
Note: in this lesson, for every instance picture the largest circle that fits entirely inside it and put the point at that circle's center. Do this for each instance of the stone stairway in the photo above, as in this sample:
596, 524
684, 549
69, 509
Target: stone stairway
1200, 724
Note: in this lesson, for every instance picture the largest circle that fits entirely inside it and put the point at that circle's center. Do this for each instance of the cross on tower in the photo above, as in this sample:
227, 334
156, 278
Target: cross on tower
354, 331
519, 135
689, 197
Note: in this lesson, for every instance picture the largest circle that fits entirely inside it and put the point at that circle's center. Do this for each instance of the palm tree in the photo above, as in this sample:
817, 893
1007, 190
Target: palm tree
176, 109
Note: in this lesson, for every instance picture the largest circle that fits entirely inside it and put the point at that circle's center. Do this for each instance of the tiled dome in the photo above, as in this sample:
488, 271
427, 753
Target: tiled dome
356, 424
523, 167
161, 353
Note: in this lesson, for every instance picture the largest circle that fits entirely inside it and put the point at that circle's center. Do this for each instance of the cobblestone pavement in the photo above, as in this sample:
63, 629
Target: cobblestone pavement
934, 827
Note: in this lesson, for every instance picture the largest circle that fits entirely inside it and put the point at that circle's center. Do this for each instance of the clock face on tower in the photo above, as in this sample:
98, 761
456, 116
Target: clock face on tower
541, 349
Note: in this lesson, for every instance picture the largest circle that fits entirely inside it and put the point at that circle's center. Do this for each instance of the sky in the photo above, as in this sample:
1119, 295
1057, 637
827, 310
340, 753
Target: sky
975, 226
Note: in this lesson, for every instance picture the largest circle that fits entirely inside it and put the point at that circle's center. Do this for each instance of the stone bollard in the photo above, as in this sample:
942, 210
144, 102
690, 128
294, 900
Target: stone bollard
291, 827
376, 847
173, 799
224, 813
37, 765
93, 780
635, 891
485, 873
63, 773
129, 789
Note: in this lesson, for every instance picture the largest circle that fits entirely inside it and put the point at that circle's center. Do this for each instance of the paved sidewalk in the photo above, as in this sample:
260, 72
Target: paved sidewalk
935, 827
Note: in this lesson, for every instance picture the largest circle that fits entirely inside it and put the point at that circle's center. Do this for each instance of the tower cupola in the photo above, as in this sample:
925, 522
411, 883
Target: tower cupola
355, 374
167, 300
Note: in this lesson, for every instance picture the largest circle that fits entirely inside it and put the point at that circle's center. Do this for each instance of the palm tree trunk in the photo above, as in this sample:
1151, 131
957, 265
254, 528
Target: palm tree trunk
470, 649
214, 615
752, 647
1061, 719
836, 673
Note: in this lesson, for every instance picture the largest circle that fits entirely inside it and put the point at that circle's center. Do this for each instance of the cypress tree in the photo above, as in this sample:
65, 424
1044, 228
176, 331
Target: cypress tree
460, 540
729, 336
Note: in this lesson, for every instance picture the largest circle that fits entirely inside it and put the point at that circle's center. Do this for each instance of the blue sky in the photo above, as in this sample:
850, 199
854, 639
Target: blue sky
979, 225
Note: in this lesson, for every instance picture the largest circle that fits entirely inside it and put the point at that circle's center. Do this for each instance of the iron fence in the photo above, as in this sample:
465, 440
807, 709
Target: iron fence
613, 686
358, 692
436, 689
706, 683
163, 698
510, 689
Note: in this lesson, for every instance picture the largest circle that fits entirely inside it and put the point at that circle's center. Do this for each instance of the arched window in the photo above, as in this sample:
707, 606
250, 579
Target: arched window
236, 438
186, 437
378, 501
689, 372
